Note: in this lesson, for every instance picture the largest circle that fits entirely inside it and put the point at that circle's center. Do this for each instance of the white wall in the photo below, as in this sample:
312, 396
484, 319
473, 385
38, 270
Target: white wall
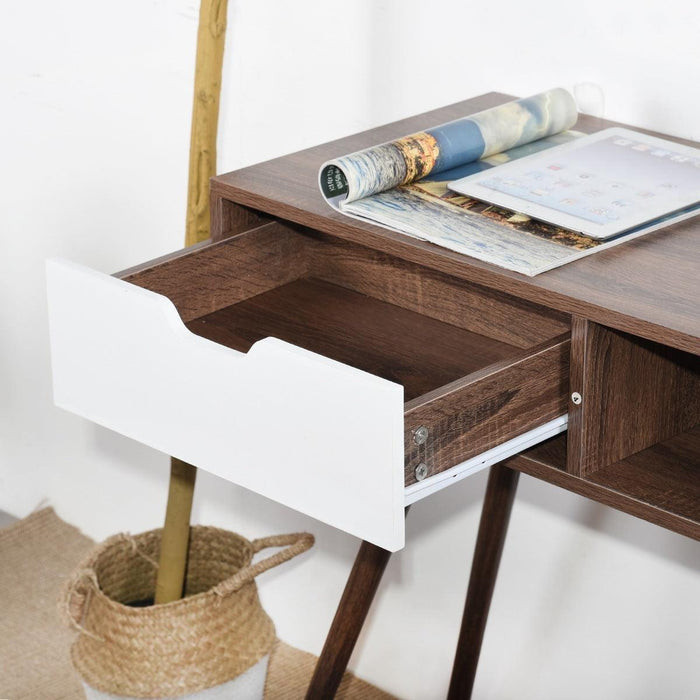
95, 101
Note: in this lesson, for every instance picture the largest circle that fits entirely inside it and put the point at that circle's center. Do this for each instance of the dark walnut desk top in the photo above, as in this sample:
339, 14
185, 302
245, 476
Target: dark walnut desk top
647, 287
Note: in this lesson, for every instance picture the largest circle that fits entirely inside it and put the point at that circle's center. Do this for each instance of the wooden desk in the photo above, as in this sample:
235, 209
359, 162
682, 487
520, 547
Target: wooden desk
436, 359
633, 441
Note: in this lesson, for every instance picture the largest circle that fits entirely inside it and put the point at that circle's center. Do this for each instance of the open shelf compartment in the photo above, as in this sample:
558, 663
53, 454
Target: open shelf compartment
634, 437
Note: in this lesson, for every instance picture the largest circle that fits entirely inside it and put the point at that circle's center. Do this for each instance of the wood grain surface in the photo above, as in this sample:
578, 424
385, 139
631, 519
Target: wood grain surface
400, 345
472, 392
360, 589
635, 393
648, 287
660, 484
493, 527
207, 276
487, 408
435, 294
204, 278
229, 219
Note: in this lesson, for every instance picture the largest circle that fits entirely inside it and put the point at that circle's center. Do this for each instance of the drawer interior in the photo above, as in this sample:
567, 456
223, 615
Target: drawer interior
478, 367
417, 351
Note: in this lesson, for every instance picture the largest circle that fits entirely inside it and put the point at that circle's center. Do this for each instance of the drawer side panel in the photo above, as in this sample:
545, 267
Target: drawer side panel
489, 407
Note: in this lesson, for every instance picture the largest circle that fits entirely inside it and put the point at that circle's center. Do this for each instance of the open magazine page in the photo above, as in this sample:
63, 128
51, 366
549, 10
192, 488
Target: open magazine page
427, 209
403, 185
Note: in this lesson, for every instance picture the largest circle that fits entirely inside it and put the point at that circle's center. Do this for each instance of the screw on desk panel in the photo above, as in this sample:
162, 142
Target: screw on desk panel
576, 398
421, 471
420, 435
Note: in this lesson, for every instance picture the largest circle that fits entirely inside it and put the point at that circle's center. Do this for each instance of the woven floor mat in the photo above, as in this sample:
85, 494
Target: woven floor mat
36, 555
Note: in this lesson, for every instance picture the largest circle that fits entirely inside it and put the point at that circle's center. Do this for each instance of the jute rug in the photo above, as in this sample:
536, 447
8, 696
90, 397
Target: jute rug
36, 555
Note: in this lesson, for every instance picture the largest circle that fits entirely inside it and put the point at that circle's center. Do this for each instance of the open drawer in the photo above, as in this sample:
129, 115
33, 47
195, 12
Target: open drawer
332, 378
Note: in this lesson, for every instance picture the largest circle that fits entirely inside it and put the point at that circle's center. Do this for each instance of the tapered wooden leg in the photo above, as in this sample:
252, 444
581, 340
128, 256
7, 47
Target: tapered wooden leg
495, 514
357, 598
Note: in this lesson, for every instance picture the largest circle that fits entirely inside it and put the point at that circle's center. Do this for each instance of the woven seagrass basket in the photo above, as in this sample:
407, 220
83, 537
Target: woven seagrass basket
217, 635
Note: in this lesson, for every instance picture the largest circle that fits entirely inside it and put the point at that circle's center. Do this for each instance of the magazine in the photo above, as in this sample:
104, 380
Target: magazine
403, 185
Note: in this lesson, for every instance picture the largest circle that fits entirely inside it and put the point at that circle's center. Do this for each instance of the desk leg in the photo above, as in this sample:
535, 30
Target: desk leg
495, 514
357, 597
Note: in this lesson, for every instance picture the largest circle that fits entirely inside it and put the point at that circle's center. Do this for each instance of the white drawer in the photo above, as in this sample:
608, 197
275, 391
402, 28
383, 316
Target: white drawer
302, 368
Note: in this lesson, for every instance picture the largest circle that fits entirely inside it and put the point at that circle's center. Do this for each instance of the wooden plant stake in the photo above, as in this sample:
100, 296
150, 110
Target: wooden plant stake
176, 533
205, 117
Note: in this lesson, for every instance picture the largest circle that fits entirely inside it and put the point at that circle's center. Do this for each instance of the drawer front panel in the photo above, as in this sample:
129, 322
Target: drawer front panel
314, 434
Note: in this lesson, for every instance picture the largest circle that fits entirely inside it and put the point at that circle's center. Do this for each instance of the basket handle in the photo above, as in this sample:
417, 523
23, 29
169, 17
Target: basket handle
294, 544
83, 584
75, 599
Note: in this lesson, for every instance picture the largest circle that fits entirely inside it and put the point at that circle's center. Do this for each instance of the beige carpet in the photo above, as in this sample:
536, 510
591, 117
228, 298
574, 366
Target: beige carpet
36, 556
